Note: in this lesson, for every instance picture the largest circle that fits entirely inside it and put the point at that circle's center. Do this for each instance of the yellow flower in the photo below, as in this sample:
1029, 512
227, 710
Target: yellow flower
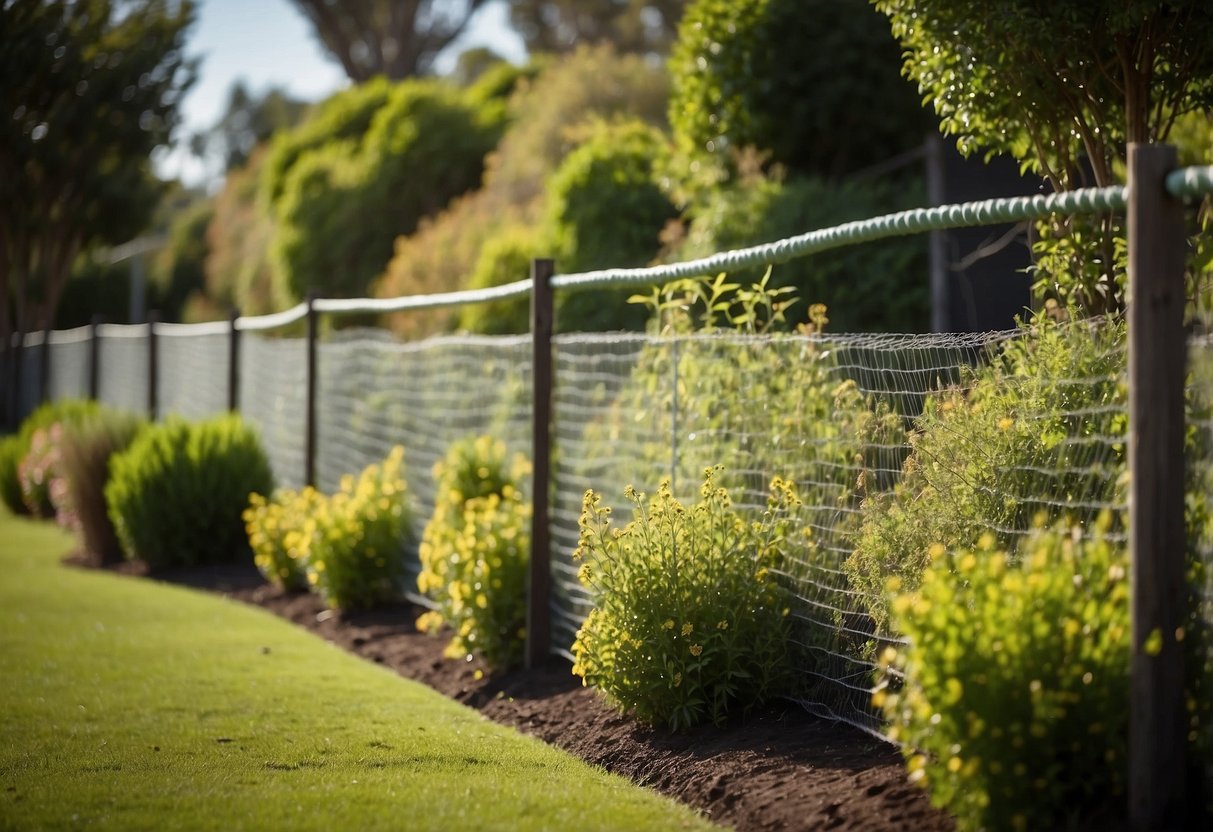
677, 679
696, 649
669, 624
722, 625
687, 629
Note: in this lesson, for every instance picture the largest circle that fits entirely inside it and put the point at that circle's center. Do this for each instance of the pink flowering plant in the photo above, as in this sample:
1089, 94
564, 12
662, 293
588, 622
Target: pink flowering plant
689, 620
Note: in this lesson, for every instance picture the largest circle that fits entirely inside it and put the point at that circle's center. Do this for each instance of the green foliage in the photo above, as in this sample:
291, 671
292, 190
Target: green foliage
813, 82
176, 494
11, 452
879, 286
689, 622
280, 532
179, 270
475, 551
607, 211
67, 411
548, 113
343, 203
90, 90
239, 269
642, 26
353, 557
1014, 708
1038, 428
85, 450
505, 258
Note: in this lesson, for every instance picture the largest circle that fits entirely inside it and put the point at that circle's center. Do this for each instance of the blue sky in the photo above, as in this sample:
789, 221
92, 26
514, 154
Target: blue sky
269, 43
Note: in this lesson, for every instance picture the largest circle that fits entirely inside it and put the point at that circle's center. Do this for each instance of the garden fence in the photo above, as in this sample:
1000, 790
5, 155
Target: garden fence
603, 411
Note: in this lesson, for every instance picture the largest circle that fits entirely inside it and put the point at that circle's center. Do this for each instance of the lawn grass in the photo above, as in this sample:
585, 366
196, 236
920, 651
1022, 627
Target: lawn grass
126, 704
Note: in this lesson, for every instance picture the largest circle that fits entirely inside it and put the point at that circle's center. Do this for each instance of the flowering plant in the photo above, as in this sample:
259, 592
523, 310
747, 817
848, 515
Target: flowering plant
689, 619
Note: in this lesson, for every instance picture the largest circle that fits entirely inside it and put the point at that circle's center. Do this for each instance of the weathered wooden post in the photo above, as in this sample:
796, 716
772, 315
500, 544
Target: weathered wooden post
1157, 357
153, 365
233, 361
94, 358
539, 578
309, 448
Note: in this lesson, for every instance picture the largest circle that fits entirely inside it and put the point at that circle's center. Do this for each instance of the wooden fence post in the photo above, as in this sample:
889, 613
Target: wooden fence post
153, 365
309, 448
94, 358
233, 362
539, 578
1157, 540
44, 367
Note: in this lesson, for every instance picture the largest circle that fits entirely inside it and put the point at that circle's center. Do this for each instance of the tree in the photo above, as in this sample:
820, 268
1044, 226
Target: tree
90, 88
629, 25
343, 202
815, 83
394, 38
1061, 86
1054, 83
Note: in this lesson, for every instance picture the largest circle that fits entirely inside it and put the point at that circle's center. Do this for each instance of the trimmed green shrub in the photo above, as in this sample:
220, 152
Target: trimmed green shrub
505, 258
1038, 428
689, 622
64, 410
875, 287
85, 450
1014, 708
280, 532
353, 557
176, 494
815, 82
12, 449
606, 210
475, 551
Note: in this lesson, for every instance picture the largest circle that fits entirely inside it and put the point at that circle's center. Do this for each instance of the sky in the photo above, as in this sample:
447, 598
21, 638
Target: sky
269, 43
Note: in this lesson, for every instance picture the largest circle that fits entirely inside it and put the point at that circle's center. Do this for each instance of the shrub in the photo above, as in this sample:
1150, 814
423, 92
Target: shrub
786, 76
354, 560
1014, 710
85, 453
11, 451
689, 621
879, 286
38, 474
505, 258
176, 494
607, 211
68, 411
1039, 428
280, 532
475, 551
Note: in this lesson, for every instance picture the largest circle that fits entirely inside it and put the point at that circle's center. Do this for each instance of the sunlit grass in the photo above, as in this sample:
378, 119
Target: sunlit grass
131, 705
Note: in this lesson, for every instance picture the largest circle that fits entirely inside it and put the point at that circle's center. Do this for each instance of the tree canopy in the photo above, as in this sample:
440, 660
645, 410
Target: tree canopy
90, 89
1054, 83
815, 83
629, 25
249, 120
393, 38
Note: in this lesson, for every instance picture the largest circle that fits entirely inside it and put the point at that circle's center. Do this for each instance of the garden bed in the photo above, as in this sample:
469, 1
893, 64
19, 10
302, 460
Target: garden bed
779, 769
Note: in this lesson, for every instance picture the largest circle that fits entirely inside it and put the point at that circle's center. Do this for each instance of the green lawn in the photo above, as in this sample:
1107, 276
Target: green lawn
126, 704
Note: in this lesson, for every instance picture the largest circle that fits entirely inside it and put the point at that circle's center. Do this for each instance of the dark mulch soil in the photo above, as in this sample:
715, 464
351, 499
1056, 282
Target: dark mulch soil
781, 769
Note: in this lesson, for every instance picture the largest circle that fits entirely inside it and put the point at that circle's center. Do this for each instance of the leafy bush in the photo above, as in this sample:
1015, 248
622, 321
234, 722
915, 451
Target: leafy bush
689, 621
38, 474
879, 286
354, 560
85, 452
475, 551
607, 211
280, 532
1014, 710
176, 494
505, 258
787, 76
11, 452
66, 411
343, 203
1039, 428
